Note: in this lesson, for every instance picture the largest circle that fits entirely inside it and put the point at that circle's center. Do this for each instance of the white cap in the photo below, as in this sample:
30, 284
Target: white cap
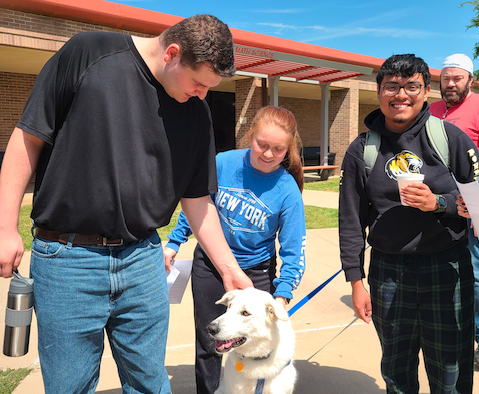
459, 60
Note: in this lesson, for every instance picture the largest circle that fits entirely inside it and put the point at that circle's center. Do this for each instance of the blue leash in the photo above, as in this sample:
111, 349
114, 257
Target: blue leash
315, 291
259, 386
311, 295
260, 383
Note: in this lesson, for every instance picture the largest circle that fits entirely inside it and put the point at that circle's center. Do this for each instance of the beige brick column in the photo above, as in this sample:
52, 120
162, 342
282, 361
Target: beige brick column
249, 99
343, 119
14, 91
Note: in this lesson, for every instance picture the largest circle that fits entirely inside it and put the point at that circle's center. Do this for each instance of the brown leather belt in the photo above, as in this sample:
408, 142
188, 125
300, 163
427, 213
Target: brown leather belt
79, 239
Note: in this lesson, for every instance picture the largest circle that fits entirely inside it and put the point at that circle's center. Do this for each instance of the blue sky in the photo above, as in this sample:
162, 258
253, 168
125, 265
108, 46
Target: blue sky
430, 29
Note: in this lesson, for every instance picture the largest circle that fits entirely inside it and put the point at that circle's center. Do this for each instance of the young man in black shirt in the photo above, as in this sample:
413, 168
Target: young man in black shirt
420, 273
118, 133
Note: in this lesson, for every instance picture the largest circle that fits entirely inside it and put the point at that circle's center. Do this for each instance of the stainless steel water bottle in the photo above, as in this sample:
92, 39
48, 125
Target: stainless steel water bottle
18, 316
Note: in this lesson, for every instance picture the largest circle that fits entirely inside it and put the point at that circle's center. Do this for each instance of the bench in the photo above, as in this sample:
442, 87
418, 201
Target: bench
311, 154
323, 171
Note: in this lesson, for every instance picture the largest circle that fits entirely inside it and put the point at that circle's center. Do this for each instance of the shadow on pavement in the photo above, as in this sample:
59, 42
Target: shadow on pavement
313, 378
182, 378
346, 300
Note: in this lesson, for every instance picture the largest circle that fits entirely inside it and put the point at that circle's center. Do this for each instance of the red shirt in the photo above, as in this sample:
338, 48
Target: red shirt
464, 115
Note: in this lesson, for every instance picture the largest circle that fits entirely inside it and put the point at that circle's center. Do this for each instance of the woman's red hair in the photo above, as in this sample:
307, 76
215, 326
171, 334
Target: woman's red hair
285, 120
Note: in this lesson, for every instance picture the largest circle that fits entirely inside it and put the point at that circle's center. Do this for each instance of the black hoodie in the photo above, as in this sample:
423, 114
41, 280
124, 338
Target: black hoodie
374, 201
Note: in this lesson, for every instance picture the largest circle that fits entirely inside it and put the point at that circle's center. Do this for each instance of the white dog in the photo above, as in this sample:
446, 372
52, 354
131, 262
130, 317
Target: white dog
258, 332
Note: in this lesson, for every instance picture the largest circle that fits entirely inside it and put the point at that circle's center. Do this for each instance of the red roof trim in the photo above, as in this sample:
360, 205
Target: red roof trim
135, 19
318, 73
248, 63
293, 71
99, 12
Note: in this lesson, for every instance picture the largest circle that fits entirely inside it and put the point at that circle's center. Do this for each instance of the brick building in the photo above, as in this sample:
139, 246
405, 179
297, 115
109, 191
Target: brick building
329, 91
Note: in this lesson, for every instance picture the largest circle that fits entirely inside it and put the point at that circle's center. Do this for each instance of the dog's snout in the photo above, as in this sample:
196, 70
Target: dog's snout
213, 328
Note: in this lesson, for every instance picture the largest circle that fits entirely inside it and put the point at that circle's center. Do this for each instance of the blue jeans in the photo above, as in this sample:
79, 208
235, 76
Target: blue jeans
82, 292
473, 247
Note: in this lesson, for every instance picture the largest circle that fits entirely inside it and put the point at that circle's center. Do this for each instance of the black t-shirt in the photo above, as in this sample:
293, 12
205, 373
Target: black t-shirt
120, 153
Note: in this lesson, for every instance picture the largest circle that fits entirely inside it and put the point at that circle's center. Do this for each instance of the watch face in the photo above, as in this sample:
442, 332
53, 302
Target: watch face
441, 201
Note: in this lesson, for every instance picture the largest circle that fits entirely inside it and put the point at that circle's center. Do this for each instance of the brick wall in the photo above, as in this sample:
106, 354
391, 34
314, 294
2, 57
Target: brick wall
14, 91
364, 110
343, 119
249, 99
368, 78
45, 25
308, 116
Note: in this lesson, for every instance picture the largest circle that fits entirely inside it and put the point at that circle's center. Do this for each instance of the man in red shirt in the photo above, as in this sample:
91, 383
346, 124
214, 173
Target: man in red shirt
460, 106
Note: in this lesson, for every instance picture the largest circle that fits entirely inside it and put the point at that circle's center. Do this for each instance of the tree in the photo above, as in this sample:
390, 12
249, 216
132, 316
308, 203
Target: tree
474, 23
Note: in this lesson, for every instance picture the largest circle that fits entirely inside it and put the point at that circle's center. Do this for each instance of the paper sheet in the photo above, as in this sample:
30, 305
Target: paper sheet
470, 195
177, 280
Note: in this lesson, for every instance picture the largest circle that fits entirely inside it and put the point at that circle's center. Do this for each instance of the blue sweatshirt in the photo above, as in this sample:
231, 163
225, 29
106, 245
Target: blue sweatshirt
253, 207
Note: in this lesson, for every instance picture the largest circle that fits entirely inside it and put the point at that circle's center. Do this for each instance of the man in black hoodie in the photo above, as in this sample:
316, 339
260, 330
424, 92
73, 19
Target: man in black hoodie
420, 274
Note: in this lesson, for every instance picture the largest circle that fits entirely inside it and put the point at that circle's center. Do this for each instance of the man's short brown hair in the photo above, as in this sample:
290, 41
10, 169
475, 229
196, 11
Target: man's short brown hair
203, 39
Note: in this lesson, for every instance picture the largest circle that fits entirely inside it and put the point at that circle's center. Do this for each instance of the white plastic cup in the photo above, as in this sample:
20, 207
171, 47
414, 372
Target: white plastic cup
407, 179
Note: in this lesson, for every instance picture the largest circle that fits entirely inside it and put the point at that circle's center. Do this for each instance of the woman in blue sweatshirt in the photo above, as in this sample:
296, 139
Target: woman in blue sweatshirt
259, 197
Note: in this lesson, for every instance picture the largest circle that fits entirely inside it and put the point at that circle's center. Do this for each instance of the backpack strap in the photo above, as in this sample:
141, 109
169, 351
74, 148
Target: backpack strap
436, 133
438, 137
371, 149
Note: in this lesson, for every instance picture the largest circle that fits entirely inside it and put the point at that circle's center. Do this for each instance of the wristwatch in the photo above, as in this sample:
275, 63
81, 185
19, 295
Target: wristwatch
441, 204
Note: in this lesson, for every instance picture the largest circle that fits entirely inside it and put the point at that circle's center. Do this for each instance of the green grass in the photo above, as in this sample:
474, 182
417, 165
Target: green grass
315, 218
331, 185
321, 217
24, 226
11, 378
164, 231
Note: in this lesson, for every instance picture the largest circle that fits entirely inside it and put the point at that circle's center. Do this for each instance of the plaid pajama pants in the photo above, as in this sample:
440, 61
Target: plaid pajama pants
424, 302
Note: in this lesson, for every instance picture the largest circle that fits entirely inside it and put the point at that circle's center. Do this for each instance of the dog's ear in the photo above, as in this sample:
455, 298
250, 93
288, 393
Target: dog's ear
276, 311
227, 297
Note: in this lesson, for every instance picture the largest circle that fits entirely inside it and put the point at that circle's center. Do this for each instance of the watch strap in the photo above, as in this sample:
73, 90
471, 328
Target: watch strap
441, 206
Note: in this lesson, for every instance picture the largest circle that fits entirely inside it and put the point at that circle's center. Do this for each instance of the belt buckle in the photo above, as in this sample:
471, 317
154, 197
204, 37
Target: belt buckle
105, 242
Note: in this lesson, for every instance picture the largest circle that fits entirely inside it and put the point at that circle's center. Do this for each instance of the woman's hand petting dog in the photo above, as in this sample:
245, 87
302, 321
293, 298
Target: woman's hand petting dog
281, 301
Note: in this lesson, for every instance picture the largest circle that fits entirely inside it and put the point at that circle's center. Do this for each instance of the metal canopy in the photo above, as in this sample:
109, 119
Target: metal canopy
296, 68
278, 65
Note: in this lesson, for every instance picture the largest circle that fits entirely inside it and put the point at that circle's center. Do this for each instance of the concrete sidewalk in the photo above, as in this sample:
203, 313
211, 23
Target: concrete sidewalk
321, 199
335, 352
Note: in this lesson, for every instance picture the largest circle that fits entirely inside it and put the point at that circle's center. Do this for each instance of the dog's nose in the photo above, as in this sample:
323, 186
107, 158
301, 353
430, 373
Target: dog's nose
213, 328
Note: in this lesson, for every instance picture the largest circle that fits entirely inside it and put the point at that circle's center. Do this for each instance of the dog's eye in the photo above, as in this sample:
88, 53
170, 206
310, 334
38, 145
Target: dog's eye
245, 313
